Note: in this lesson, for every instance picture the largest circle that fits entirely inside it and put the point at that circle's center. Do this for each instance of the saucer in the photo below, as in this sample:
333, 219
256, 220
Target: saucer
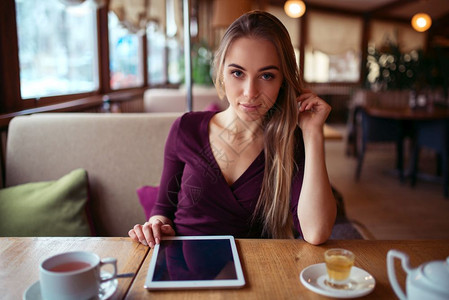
107, 289
313, 277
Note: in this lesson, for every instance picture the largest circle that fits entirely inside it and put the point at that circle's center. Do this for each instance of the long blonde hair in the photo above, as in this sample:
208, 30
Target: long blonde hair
273, 205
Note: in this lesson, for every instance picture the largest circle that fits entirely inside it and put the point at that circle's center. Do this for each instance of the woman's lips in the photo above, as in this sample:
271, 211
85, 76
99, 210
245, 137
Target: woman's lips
250, 107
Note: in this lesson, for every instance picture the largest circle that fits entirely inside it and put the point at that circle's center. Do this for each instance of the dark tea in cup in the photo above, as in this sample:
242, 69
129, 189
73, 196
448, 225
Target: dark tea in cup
70, 266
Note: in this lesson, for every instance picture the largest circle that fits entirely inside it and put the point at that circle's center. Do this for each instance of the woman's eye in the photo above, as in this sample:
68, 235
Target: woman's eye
267, 76
237, 73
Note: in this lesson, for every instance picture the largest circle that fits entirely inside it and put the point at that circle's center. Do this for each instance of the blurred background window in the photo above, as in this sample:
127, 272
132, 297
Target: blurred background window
175, 61
157, 57
175, 34
125, 52
57, 48
332, 49
321, 67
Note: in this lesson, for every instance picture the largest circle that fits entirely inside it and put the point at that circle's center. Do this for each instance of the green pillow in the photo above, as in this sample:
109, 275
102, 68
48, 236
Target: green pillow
50, 208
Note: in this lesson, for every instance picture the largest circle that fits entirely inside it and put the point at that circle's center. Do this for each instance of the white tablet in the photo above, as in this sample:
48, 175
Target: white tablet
186, 262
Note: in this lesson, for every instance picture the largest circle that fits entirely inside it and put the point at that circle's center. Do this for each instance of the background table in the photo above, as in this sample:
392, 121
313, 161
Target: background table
392, 124
428, 128
406, 113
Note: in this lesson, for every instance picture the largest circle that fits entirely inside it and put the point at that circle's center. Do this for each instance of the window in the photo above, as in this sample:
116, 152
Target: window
175, 57
322, 67
332, 50
174, 46
156, 54
57, 48
124, 55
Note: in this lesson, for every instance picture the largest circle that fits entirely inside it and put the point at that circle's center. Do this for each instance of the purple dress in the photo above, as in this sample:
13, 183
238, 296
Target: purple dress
195, 195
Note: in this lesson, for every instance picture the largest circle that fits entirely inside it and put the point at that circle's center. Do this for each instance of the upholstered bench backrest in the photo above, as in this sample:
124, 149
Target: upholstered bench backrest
121, 152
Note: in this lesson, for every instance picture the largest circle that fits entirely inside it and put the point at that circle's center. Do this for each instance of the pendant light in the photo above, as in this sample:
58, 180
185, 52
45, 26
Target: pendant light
294, 8
421, 22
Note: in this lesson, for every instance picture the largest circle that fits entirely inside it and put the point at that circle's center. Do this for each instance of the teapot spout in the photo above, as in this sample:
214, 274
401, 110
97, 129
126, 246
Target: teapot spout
405, 260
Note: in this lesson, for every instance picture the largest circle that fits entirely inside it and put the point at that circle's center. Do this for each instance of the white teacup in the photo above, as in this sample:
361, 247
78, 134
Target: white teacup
73, 275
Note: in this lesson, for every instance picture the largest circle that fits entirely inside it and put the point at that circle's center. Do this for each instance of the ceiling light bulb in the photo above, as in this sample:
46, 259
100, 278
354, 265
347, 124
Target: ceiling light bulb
421, 22
294, 8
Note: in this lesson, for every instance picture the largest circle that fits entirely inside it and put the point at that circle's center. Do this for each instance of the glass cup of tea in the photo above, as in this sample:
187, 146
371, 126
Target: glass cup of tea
339, 263
73, 275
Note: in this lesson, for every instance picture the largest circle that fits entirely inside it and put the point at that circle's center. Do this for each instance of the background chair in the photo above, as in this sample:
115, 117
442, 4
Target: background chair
433, 135
346, 228
372, 129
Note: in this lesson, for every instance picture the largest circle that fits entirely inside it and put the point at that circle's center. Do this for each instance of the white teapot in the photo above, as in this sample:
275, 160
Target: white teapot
429, 281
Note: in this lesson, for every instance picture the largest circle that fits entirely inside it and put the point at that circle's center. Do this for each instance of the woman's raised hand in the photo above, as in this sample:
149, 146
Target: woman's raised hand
150, 233
313, 111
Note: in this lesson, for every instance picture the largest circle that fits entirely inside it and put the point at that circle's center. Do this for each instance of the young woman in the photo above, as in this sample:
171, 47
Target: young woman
256, 169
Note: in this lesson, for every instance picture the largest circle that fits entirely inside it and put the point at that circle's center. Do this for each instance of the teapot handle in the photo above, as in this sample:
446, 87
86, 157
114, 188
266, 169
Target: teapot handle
392, 272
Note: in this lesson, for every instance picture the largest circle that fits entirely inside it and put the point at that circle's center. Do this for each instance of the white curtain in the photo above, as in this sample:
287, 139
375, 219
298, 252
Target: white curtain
158, 12
333, 33
135, 14
399, 34
175, 19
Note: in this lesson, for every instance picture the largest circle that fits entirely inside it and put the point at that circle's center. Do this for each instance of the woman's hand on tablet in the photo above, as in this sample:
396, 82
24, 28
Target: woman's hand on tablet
150, 233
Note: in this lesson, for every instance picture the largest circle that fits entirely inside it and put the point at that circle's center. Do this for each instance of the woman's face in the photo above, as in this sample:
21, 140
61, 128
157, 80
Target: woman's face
252, 77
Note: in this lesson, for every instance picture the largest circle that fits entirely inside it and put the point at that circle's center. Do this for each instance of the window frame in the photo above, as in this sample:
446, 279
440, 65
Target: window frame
10, 95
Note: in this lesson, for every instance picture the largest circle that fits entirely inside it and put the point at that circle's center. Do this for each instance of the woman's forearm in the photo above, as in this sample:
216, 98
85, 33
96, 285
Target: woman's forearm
316, 206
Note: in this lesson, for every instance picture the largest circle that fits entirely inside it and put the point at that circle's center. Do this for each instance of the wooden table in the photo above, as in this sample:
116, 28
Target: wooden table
20, 258
271, 267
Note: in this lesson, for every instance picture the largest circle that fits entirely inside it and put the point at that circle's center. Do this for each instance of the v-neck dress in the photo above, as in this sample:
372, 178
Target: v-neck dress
194, 193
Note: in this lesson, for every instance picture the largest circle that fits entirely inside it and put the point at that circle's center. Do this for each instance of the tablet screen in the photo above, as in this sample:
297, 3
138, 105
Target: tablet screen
195, 262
